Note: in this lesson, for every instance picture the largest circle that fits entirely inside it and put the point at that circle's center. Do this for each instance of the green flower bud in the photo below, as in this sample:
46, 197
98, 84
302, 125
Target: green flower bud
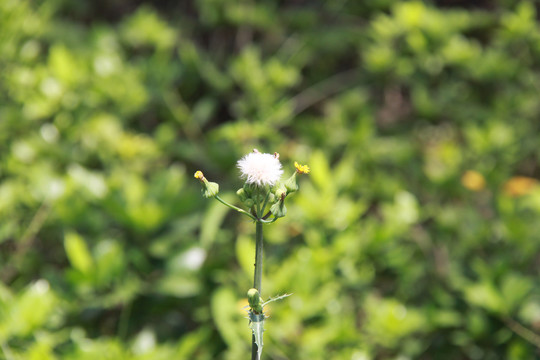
278, 209
291, 185
211, 189
248, 189
249, 202
255, 301
242, 194
280, 193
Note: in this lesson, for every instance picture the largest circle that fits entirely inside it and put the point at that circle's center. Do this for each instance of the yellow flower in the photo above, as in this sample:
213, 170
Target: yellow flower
301, 169
199, 175
519, 185
473, 180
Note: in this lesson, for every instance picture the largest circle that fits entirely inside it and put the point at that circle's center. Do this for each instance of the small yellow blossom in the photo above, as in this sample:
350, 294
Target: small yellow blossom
301, 169
473, 180
199, 175
519, 185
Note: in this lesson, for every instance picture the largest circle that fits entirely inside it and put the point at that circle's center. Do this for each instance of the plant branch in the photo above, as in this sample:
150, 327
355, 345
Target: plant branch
522, 331
25, 242
234, 207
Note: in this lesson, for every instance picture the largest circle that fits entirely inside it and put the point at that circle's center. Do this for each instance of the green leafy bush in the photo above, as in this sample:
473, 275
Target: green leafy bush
415, 235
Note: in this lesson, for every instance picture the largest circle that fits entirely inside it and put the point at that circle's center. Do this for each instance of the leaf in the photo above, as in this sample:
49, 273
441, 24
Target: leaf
276, 299
191, 341
320, 170
486, 296
256, 324
245, 251
514, 289
212, 221
109, 261
31, 310
225, 315
77, 252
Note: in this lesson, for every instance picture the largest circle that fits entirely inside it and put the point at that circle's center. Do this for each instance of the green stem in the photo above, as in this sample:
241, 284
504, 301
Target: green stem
234, 207
258, 204
253, 349
257, 278
123, 322
265, 203
522, 331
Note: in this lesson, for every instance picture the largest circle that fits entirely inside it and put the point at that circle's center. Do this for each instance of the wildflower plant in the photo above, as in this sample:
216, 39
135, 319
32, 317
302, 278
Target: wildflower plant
263, 195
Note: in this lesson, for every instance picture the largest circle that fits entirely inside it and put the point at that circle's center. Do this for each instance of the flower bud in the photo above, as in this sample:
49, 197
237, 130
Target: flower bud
255, 301
248, 189
280, 193
291, 185
199, 175
278, 209
242, 194
249, 202
209, 189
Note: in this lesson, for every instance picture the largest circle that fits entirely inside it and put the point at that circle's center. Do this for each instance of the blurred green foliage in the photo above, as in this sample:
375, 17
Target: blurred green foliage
415, 236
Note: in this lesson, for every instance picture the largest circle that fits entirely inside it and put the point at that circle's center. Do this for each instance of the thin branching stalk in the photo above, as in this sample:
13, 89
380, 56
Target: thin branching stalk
522, 331
234, 207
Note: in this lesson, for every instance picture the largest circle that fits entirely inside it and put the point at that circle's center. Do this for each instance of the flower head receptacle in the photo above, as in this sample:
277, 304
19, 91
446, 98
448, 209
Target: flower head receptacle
291, 183
209, 189
279, 209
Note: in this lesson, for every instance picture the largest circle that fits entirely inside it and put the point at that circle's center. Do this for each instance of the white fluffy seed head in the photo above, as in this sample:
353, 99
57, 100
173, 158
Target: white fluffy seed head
260, 169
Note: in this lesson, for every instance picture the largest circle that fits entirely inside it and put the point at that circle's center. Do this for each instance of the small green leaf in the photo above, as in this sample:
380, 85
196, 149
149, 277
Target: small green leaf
77, 252
212, 221
514, 289
32, 309
225, 316
485, 296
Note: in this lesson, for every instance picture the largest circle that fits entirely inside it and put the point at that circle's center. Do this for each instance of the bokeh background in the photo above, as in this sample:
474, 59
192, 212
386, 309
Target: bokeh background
416, 236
